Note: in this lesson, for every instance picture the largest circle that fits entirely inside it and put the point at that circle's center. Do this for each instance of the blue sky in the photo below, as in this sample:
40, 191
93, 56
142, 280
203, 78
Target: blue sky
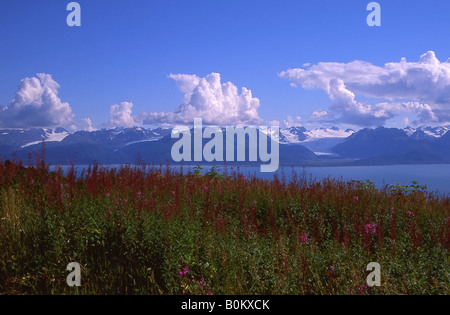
125, 50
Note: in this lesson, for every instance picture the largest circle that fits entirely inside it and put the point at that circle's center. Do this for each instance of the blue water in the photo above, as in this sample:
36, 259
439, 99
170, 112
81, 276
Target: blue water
435, 177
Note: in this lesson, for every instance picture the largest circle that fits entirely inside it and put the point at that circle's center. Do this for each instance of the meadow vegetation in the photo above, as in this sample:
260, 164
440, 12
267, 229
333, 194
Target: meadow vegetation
155, 230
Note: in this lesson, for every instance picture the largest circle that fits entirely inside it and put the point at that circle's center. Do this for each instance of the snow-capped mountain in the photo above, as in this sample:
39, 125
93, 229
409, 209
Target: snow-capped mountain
293, 135
117, 137
27, 139
425, 145
21, 138
424, 132
301, 134
50, 135
325, 133
123, 145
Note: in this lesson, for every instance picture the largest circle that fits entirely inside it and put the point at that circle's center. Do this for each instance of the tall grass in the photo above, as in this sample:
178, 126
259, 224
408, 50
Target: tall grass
152, 230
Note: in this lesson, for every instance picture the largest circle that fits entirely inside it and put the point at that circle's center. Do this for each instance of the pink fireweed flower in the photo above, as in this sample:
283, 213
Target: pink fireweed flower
370, 229
183, 271
331, 268
411, 214
209, 293
355, 198
303, 238
207, 188
362, 289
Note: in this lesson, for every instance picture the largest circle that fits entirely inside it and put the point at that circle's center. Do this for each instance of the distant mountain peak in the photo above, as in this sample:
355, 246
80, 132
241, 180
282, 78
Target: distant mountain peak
423, 144
435, 132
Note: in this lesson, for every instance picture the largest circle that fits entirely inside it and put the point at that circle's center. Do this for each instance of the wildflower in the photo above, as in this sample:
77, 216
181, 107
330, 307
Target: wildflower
411, 214
331, 268
209, 293
362, 289
255, 202
303, 238
183, 271
206, 188
370, 229
355, 198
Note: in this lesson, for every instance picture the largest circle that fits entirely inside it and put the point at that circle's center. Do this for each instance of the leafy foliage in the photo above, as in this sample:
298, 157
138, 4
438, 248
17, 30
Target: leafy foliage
150, 230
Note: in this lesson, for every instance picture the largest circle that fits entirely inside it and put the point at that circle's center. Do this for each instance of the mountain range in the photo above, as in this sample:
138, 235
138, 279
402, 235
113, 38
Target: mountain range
397, 146
298, 146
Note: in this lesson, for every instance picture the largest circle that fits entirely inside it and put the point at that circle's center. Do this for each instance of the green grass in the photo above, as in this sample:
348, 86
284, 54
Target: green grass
144, 230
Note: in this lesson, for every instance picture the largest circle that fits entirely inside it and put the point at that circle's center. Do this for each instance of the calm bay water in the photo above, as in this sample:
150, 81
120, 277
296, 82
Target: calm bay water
435, 177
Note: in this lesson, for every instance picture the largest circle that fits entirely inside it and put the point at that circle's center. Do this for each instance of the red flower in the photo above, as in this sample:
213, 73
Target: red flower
370, 229
304, 238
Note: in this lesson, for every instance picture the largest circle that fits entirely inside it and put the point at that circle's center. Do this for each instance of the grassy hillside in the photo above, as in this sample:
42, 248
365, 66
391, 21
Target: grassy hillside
145, 230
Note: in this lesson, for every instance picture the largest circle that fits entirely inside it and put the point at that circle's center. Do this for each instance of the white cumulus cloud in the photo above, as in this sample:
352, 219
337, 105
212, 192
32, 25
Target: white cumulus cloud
292, 122
120, 115
420, 88
208, 98
36, 104
86, 125
319, 114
